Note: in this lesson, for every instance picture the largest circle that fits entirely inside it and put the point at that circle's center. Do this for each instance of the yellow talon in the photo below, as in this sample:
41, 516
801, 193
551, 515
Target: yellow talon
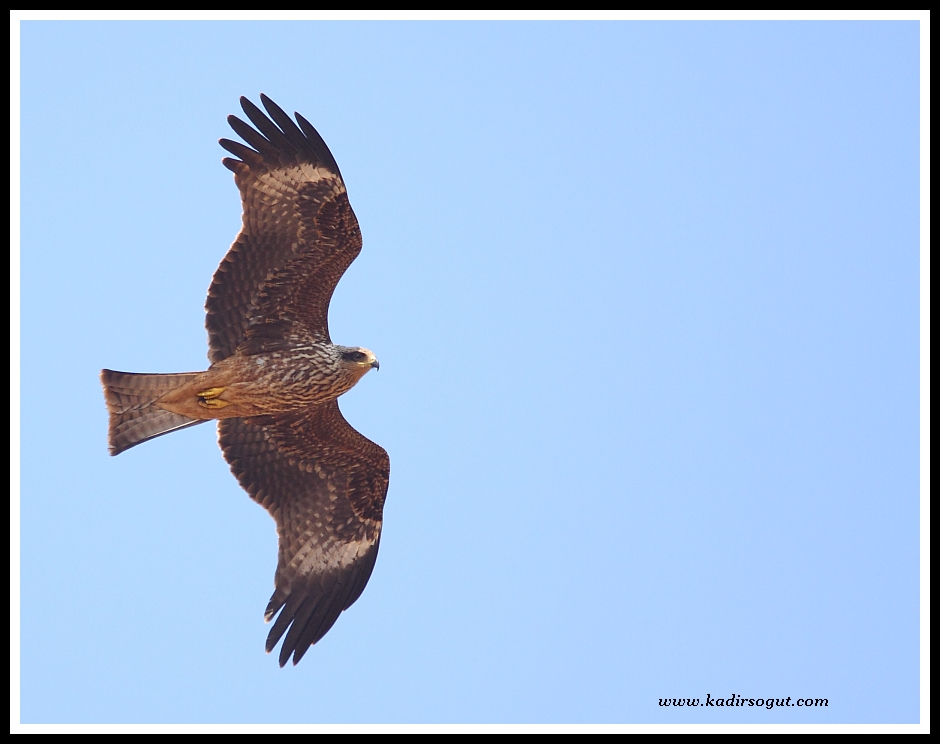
210, 398
214, 403
211, 393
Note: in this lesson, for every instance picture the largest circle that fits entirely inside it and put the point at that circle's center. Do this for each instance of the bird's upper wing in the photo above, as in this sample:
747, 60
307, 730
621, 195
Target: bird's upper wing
298, 234
324, 484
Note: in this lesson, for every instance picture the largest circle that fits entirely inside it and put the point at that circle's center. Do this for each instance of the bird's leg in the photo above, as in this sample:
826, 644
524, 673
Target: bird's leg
210, 398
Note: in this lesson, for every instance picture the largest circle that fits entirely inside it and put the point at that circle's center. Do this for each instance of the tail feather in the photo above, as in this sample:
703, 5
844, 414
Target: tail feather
134, 417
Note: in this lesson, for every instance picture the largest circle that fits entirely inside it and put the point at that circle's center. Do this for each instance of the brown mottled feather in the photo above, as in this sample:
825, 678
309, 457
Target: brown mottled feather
134, 418
297, 229
324, 484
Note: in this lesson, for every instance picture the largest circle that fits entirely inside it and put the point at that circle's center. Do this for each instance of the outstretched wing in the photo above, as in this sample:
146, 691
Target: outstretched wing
324, 484
298, 234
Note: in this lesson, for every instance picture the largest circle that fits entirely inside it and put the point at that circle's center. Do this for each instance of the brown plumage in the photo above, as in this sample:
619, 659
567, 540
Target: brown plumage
275, 377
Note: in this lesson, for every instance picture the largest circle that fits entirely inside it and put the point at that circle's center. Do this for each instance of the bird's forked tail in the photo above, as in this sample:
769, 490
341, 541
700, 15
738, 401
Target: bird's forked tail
134, 417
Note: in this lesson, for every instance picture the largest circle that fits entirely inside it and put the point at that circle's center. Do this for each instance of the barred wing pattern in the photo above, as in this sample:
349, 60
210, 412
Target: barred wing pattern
298, 234
322, 482
325, 485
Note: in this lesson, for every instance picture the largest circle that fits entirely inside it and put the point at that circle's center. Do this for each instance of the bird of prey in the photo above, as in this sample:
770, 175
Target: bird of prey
275, 377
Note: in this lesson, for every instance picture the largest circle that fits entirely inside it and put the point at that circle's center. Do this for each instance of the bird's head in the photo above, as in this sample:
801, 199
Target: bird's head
358, 361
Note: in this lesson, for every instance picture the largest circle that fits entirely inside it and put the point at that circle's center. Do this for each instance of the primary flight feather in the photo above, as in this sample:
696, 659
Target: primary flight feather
276, 375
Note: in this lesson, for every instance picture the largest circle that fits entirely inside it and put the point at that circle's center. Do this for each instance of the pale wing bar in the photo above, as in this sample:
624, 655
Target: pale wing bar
287, 156
324, 484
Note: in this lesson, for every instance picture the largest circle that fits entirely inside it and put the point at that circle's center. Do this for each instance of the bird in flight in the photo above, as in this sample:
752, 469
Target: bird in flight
275, 377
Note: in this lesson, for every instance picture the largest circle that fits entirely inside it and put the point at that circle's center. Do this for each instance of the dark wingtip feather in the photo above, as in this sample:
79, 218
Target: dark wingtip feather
276, 138
317, 143
233, 165
284, 620
251, 109
275, 111
245, 153
256, 139
287, 125
274, 605
269, 129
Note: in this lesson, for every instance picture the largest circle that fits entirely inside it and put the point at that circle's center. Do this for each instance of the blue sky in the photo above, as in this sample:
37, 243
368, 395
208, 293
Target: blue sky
646, 298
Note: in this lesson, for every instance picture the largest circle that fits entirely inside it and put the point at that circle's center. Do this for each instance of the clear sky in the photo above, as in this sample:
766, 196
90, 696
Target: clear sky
646, 301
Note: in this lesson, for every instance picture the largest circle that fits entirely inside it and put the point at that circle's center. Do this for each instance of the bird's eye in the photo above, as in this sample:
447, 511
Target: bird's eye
354, 356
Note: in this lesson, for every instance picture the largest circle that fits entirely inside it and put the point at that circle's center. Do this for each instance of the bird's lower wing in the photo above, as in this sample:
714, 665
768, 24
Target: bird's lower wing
325, 485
